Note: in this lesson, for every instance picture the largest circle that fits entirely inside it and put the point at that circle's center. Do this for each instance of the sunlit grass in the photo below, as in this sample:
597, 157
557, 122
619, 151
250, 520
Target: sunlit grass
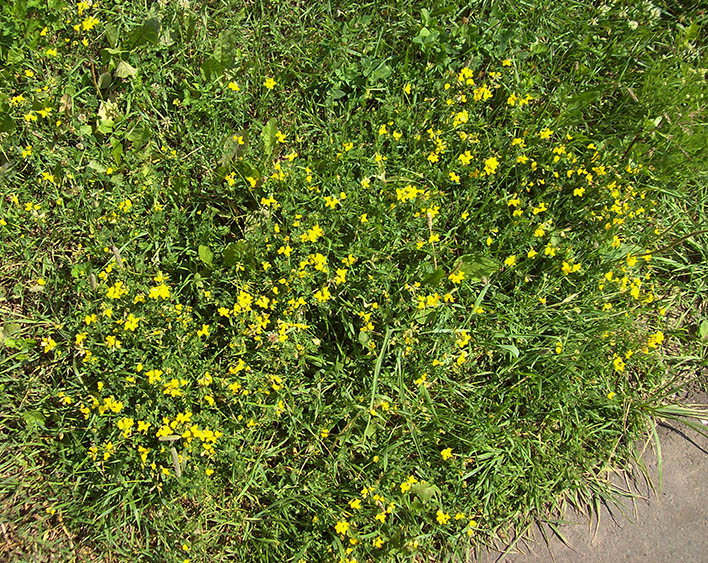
302, 283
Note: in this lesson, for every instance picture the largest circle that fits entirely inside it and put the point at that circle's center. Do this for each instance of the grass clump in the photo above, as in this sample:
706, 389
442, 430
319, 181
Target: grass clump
368, 311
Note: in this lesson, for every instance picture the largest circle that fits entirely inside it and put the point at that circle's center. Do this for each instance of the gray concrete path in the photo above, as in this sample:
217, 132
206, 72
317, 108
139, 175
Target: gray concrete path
669, 526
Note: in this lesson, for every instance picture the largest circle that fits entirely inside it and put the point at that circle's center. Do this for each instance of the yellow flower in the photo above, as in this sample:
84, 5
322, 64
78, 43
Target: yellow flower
446, 453
233, 86
116, 291
323, 295
341, 276
570, 268
442, 517
342, 527
655, 340
65, 399
618, 364
490, 165
112, 342
510, 261
154, 375
89, 23
131, 323
457, 277
159, 292
125, 425
481, 93
49, 344
407, 193
355, 503
465, 158
269, 83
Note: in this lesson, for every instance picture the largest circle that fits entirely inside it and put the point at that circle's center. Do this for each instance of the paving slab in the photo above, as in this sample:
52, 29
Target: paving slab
668, 525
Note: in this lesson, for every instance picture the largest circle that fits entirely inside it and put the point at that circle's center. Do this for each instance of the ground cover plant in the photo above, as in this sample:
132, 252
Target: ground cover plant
291, 282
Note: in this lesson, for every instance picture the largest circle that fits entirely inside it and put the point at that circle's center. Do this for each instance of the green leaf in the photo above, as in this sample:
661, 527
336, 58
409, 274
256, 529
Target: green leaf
268, 136
425, 316
206, 255
111, 35
187, 26
692, 31
147, 33
139, 136
104, 126
247, 168
235, 252
381, 72
7, 124
513, 350
97, 166
104, 81
33, 419
434, 277
225, 49
211, 68
478, 266
124, 70
425, 491
117, 153
232, 148
703, 330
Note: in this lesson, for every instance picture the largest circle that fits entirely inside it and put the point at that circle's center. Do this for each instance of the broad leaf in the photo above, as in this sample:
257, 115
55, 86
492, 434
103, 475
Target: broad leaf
206, 255
33, 419
703, 330
147, 33
268, 136
236, 252
124, 70
425, 491
478, 266
434, 277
